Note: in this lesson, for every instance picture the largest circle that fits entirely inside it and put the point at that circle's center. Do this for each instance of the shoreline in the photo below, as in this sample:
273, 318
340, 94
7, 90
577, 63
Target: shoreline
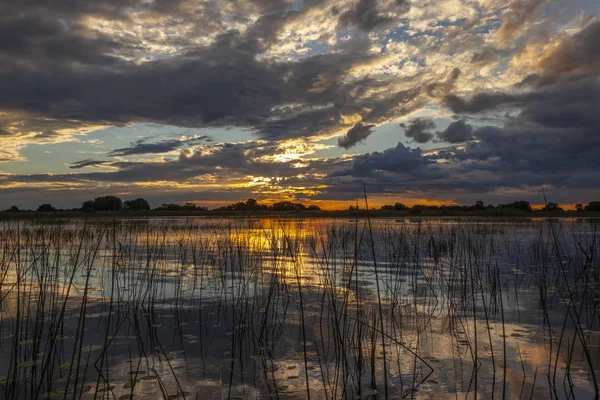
487, 214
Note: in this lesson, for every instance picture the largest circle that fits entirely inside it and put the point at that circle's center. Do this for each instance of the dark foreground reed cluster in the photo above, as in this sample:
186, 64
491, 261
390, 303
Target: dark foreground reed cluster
204, 308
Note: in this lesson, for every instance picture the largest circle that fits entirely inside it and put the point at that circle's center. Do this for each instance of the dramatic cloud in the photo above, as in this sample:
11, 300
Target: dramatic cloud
256, 165
419, 129
368, 14
440, 89
399, 159
232, 80
575, 57
276, 82
165, 146
86, 163
545, 135
357, 134
457, 132
520, 12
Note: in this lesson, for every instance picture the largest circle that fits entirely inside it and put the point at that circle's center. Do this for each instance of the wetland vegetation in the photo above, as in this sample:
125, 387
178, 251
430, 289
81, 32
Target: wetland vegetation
321, 308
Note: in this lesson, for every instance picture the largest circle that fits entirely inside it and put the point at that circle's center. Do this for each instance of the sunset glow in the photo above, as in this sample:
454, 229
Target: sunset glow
309, 101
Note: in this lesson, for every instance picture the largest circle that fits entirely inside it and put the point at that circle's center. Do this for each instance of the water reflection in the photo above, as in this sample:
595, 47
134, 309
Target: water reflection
259, 308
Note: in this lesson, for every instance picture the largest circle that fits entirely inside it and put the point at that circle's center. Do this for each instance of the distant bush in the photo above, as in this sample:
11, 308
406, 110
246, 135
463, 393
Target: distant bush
46, 208
593, 206
248, 205
105, 203
517, 205
552, 207
178, 207
287, 206
138, 204
395, 207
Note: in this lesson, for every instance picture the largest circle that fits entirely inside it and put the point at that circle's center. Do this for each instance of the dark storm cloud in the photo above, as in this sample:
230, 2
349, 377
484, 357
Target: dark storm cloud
124, 10
480, 102
498, 159
356, 134
457, 132
576, 57
86, 163
549, 138
219, 86
399, 159
393, 105
297, 124
142, 146
223, 162
116, 9
439, 89
569, 75
181, 92
368, 15
516, 156
35, 37
58, 66
419, 129
54, 87
319, 83
59, 32
561, 104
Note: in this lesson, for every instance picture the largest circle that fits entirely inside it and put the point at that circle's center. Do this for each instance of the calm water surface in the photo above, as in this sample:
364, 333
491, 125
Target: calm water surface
205, 308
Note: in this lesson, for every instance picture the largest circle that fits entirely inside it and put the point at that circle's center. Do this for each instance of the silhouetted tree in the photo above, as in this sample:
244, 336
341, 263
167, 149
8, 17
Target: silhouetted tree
400, 206
479, 205
13, 209
138, 204
105, 203
593, 206
287, 206
248, 205
313, 207
579, 207
46, 208
193, 207
251, 203
517, 205
395, 207
552, 207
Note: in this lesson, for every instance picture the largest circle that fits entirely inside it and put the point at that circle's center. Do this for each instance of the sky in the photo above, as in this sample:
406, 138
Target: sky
211, 102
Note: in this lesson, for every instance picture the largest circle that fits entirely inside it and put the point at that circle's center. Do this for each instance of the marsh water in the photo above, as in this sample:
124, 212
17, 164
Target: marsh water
251, 308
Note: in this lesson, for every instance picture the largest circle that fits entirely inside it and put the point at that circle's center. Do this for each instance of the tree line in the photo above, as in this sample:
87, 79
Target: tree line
114, 203
520, 205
